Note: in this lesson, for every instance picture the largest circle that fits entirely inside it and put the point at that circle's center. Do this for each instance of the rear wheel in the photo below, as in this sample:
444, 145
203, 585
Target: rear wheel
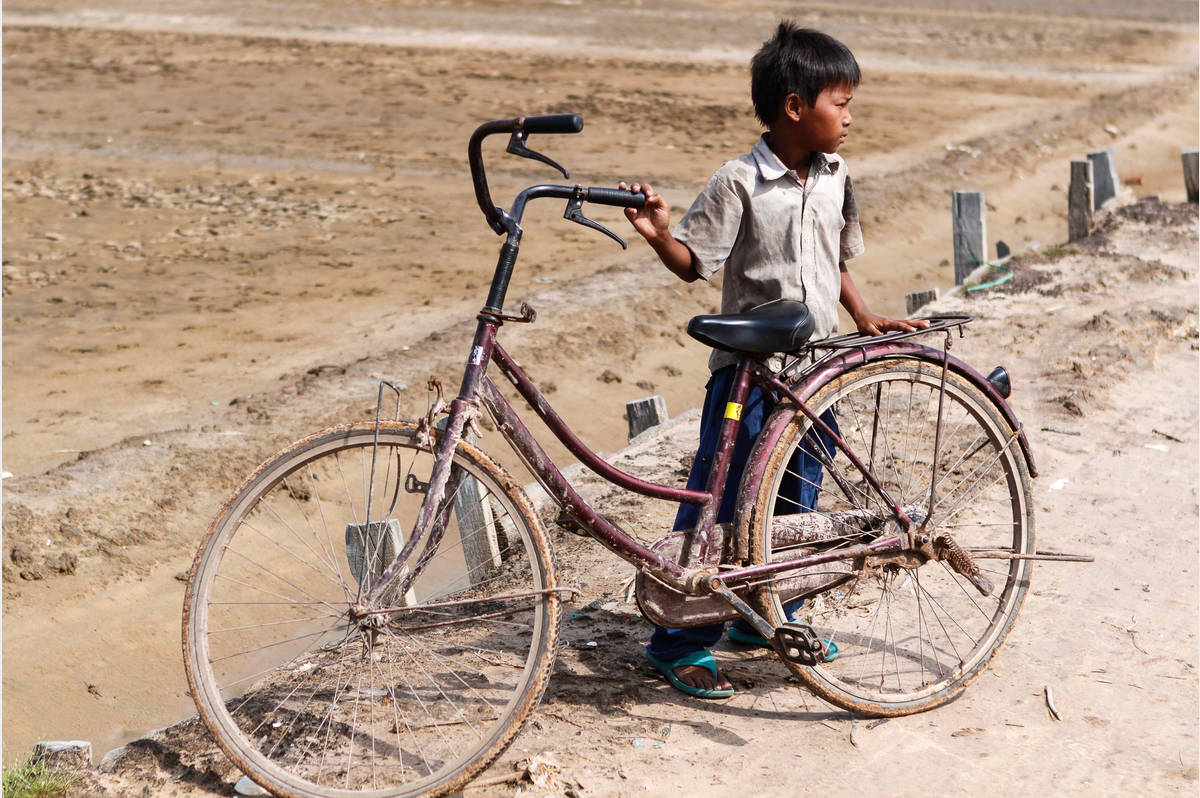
910, 632
312, 696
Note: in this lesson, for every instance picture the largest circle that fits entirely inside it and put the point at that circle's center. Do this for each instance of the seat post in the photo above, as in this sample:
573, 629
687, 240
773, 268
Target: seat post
731, 424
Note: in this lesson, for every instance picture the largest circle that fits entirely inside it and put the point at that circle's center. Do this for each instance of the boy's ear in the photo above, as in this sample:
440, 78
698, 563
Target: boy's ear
793, 107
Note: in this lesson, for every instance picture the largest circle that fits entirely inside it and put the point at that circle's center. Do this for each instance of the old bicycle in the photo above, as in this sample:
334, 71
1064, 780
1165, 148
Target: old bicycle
375, 611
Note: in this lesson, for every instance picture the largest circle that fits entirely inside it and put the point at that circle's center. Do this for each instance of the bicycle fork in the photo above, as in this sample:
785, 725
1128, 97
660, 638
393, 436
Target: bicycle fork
434, 514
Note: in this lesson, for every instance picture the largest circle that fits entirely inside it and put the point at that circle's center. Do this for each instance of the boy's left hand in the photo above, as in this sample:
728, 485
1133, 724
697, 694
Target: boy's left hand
871, 324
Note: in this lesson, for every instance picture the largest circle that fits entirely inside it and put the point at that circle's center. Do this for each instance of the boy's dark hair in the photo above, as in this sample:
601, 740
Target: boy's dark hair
798, 61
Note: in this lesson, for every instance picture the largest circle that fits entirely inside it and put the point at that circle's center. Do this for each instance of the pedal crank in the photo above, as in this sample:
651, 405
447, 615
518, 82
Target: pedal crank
798, 643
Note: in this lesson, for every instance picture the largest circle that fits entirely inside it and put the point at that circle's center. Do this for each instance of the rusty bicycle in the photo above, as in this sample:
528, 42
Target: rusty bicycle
376, 609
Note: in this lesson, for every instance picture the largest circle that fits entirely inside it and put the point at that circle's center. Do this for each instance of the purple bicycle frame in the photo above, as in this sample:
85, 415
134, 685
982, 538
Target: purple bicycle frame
478, 387
705, 538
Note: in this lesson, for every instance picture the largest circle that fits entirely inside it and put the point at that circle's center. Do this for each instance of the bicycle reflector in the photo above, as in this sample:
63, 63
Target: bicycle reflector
1000, 381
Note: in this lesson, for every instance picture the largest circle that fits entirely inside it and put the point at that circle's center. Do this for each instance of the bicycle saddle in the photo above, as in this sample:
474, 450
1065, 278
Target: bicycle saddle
782, 325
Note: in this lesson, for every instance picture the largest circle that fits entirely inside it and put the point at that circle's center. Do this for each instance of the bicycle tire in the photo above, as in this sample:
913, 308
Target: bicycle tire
304, 698
910, 635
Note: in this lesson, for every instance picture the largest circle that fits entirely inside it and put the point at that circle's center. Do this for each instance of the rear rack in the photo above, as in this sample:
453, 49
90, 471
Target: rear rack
809, 358
856, 340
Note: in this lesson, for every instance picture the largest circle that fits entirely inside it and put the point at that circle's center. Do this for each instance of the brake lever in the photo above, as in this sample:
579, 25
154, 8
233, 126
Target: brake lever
574, 213
516, 146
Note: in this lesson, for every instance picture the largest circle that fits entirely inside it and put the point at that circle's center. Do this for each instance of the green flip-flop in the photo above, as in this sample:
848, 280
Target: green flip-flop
753, 638
704, 659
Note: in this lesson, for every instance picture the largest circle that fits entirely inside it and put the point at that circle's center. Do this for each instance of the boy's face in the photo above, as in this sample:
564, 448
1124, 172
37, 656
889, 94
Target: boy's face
824, 126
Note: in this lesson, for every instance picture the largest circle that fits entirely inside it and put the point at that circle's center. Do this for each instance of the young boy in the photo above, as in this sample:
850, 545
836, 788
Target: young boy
782, 222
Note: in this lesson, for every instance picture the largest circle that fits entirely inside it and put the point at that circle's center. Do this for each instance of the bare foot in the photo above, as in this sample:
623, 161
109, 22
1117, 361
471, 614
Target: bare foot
697, 676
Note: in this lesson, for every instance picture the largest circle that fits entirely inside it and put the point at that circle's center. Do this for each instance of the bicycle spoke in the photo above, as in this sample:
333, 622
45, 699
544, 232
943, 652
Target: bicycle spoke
280, 578
306, 619
334, 581
307, 676
328, 534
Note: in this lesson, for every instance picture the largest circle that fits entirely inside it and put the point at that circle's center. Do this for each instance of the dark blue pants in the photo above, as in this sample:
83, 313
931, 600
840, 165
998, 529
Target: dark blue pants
798, 493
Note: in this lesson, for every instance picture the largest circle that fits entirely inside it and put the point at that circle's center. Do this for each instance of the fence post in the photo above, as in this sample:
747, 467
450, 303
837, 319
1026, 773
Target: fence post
1191, 174
645, 413
370, 549
1105, 183
970, 233
1080, 201
916, 300
476, 524
477, 529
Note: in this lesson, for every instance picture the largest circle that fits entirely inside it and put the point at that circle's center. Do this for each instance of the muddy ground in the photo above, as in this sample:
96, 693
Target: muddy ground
223, 225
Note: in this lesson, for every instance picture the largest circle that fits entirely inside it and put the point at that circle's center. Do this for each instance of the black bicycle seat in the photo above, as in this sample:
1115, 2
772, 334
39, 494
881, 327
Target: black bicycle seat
782, 325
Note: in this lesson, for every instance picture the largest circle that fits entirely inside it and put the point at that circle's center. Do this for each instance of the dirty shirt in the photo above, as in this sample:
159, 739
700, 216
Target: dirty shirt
775, 237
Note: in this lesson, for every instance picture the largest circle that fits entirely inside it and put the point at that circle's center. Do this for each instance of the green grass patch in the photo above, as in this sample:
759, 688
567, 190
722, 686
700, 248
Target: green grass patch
36, 780
1055, 251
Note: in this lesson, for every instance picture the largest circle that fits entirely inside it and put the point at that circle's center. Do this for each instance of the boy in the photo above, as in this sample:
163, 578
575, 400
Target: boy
782, 222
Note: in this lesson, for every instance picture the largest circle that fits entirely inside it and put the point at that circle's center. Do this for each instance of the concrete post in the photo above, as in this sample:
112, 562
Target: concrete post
1191, 174
476, 524
1105, 183
916, 300
1080, 201
970, 233
644, 414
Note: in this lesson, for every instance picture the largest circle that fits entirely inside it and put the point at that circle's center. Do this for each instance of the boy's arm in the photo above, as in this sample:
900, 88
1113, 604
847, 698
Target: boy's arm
653, 222
867, 322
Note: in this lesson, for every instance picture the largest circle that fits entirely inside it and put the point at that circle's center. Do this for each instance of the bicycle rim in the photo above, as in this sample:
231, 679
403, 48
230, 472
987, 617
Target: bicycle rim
910, 634
306, 698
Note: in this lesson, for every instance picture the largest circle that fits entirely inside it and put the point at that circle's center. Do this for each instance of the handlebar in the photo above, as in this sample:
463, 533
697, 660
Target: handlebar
519, 128
620, 197
551, 123
509, 222
522, 125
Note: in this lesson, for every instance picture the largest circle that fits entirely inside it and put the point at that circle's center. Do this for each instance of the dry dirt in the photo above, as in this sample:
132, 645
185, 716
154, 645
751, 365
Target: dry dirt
223, 225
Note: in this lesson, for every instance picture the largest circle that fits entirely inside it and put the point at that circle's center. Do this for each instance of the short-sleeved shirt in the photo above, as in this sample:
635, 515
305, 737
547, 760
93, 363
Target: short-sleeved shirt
775, 237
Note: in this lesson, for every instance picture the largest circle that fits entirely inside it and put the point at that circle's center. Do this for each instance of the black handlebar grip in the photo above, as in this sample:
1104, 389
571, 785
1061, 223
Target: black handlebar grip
620, 197
553, 123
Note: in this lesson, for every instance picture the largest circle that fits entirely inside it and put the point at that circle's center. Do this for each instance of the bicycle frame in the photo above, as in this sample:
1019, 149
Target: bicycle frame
478, 387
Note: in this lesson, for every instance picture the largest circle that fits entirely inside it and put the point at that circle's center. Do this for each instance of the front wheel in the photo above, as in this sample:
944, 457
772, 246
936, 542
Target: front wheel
910, 632
314, 694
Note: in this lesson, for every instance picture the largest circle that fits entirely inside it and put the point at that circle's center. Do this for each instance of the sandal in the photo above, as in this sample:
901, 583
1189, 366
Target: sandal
753, 638
702, 658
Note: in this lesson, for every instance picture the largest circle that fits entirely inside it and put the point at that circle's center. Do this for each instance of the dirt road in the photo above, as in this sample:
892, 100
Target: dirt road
1109, 646
222, 225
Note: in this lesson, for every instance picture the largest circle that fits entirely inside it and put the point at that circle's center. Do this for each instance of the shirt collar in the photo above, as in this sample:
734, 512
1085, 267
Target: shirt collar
771, 168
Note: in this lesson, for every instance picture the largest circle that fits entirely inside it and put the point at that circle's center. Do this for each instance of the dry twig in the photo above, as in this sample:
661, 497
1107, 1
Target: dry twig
1050, 704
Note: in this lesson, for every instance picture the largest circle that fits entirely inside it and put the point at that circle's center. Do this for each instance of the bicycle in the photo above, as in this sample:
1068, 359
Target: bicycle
375, 611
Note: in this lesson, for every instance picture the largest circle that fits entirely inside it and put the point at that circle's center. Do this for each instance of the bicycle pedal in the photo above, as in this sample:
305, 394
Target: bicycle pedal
798, 643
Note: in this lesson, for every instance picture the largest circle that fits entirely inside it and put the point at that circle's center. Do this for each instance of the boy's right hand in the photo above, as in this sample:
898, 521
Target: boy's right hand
653, 221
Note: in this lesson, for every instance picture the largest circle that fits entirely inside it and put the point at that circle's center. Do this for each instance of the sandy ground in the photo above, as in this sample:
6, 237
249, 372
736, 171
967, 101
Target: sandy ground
221, 229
